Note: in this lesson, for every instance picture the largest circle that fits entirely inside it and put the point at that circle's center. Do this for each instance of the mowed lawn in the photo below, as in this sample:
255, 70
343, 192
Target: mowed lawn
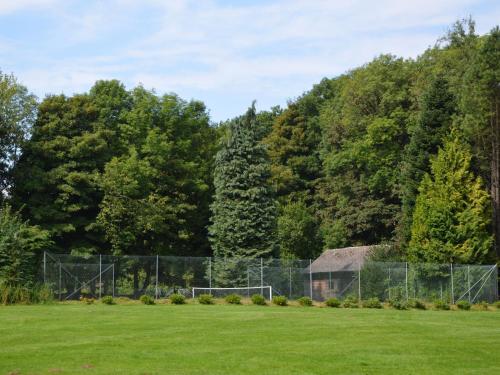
226, 339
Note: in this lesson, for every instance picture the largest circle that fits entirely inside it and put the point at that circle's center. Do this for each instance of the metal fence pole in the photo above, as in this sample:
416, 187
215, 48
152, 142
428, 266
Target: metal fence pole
452, 290
468, 281
261, 276
44, 267
210, 274
290, 282
156, 284
100, 274
406, 279
60, 280
113, 280
310, 279
359, 281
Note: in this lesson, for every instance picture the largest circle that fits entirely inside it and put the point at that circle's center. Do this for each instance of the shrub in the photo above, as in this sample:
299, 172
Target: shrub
177, 299
257, 299
463, 305
372, 303
439, 304
399, 304
332, 302
497, 304
206, 299
13, 294
305, 301
147, 300
108, 300
87, 300
280, 301
417, 304
482, 305
233, 299
350, 302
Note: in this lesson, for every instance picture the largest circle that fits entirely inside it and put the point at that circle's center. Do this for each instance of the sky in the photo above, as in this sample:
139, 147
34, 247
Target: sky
225, 53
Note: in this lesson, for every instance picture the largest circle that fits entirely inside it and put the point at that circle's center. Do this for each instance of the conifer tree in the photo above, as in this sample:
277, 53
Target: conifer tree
451, 218
244, 210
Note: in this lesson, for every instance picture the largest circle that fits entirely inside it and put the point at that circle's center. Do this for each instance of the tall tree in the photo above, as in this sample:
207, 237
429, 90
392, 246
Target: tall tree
244, 209
17, 114
433, 124
451, 218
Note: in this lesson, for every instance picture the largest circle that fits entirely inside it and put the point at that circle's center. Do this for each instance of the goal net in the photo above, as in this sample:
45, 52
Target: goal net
266, 291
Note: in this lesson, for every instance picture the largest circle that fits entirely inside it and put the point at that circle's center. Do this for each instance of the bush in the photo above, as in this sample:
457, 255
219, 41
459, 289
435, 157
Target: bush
206, 299
350, 302
257, 299
332, 302
463, 305
108, 300
177, 299
87, 300
482, 305
233, 299
439, 304
497, 304
147, 300
305, 301
13, 294
372, 303
280, 301
417, 304
399, 304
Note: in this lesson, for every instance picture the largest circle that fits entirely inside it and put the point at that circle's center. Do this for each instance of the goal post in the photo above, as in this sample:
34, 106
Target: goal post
247, 291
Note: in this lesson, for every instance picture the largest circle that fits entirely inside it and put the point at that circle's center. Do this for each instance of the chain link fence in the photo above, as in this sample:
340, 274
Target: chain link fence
71, 277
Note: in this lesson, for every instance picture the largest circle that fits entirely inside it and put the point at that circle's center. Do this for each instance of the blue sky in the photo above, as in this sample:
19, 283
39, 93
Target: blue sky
226, 53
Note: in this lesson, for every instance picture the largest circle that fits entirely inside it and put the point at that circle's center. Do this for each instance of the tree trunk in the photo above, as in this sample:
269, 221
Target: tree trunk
495, 173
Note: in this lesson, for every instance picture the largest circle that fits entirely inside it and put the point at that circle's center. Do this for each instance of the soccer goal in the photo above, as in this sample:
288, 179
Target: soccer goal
266, 291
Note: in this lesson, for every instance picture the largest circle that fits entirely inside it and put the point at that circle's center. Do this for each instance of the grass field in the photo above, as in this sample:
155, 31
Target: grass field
224, 339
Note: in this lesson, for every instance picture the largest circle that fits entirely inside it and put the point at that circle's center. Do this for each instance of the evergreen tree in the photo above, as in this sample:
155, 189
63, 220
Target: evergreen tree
451, 218
434, 122
244, 210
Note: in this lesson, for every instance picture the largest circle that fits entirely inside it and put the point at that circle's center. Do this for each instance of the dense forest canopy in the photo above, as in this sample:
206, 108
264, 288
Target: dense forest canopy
397, 151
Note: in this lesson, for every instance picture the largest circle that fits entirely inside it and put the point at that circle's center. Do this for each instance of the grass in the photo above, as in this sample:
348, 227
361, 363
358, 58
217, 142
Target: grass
230, 339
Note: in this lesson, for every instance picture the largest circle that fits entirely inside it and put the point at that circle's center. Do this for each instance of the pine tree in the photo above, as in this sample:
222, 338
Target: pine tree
451, 218
244, 209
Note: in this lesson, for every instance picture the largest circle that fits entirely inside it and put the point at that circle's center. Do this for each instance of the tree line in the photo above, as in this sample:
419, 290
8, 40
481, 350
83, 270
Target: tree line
398, 151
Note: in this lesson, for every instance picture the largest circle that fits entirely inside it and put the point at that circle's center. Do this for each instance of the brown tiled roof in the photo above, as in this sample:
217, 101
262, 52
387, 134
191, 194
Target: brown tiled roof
345, 259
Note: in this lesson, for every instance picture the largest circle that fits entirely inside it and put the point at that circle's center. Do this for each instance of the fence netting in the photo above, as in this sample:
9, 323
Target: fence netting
71, 277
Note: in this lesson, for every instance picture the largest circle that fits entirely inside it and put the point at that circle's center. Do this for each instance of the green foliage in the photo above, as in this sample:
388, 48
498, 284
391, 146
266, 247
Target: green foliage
497, 304
177, 299
258, 299
244, 210
87, 300
350, 302
451, 218
399, 304
206, 299
417, 304
233, 299
305, 301
441, 305
280, 301
372, 303
333, 302
147, 300
20, 246
18, 294
481, 305
463, 305
108, 300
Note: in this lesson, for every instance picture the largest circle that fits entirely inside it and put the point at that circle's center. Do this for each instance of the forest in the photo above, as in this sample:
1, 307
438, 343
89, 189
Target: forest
399, 151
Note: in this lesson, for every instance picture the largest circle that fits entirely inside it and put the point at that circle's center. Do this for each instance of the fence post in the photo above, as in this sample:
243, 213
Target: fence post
452, 291
156, 285
44, 266
359, 281
290, 282
210, 274
60, 280
100, 274
468, 281
406, 280
310, 279
113, 280
261, 276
